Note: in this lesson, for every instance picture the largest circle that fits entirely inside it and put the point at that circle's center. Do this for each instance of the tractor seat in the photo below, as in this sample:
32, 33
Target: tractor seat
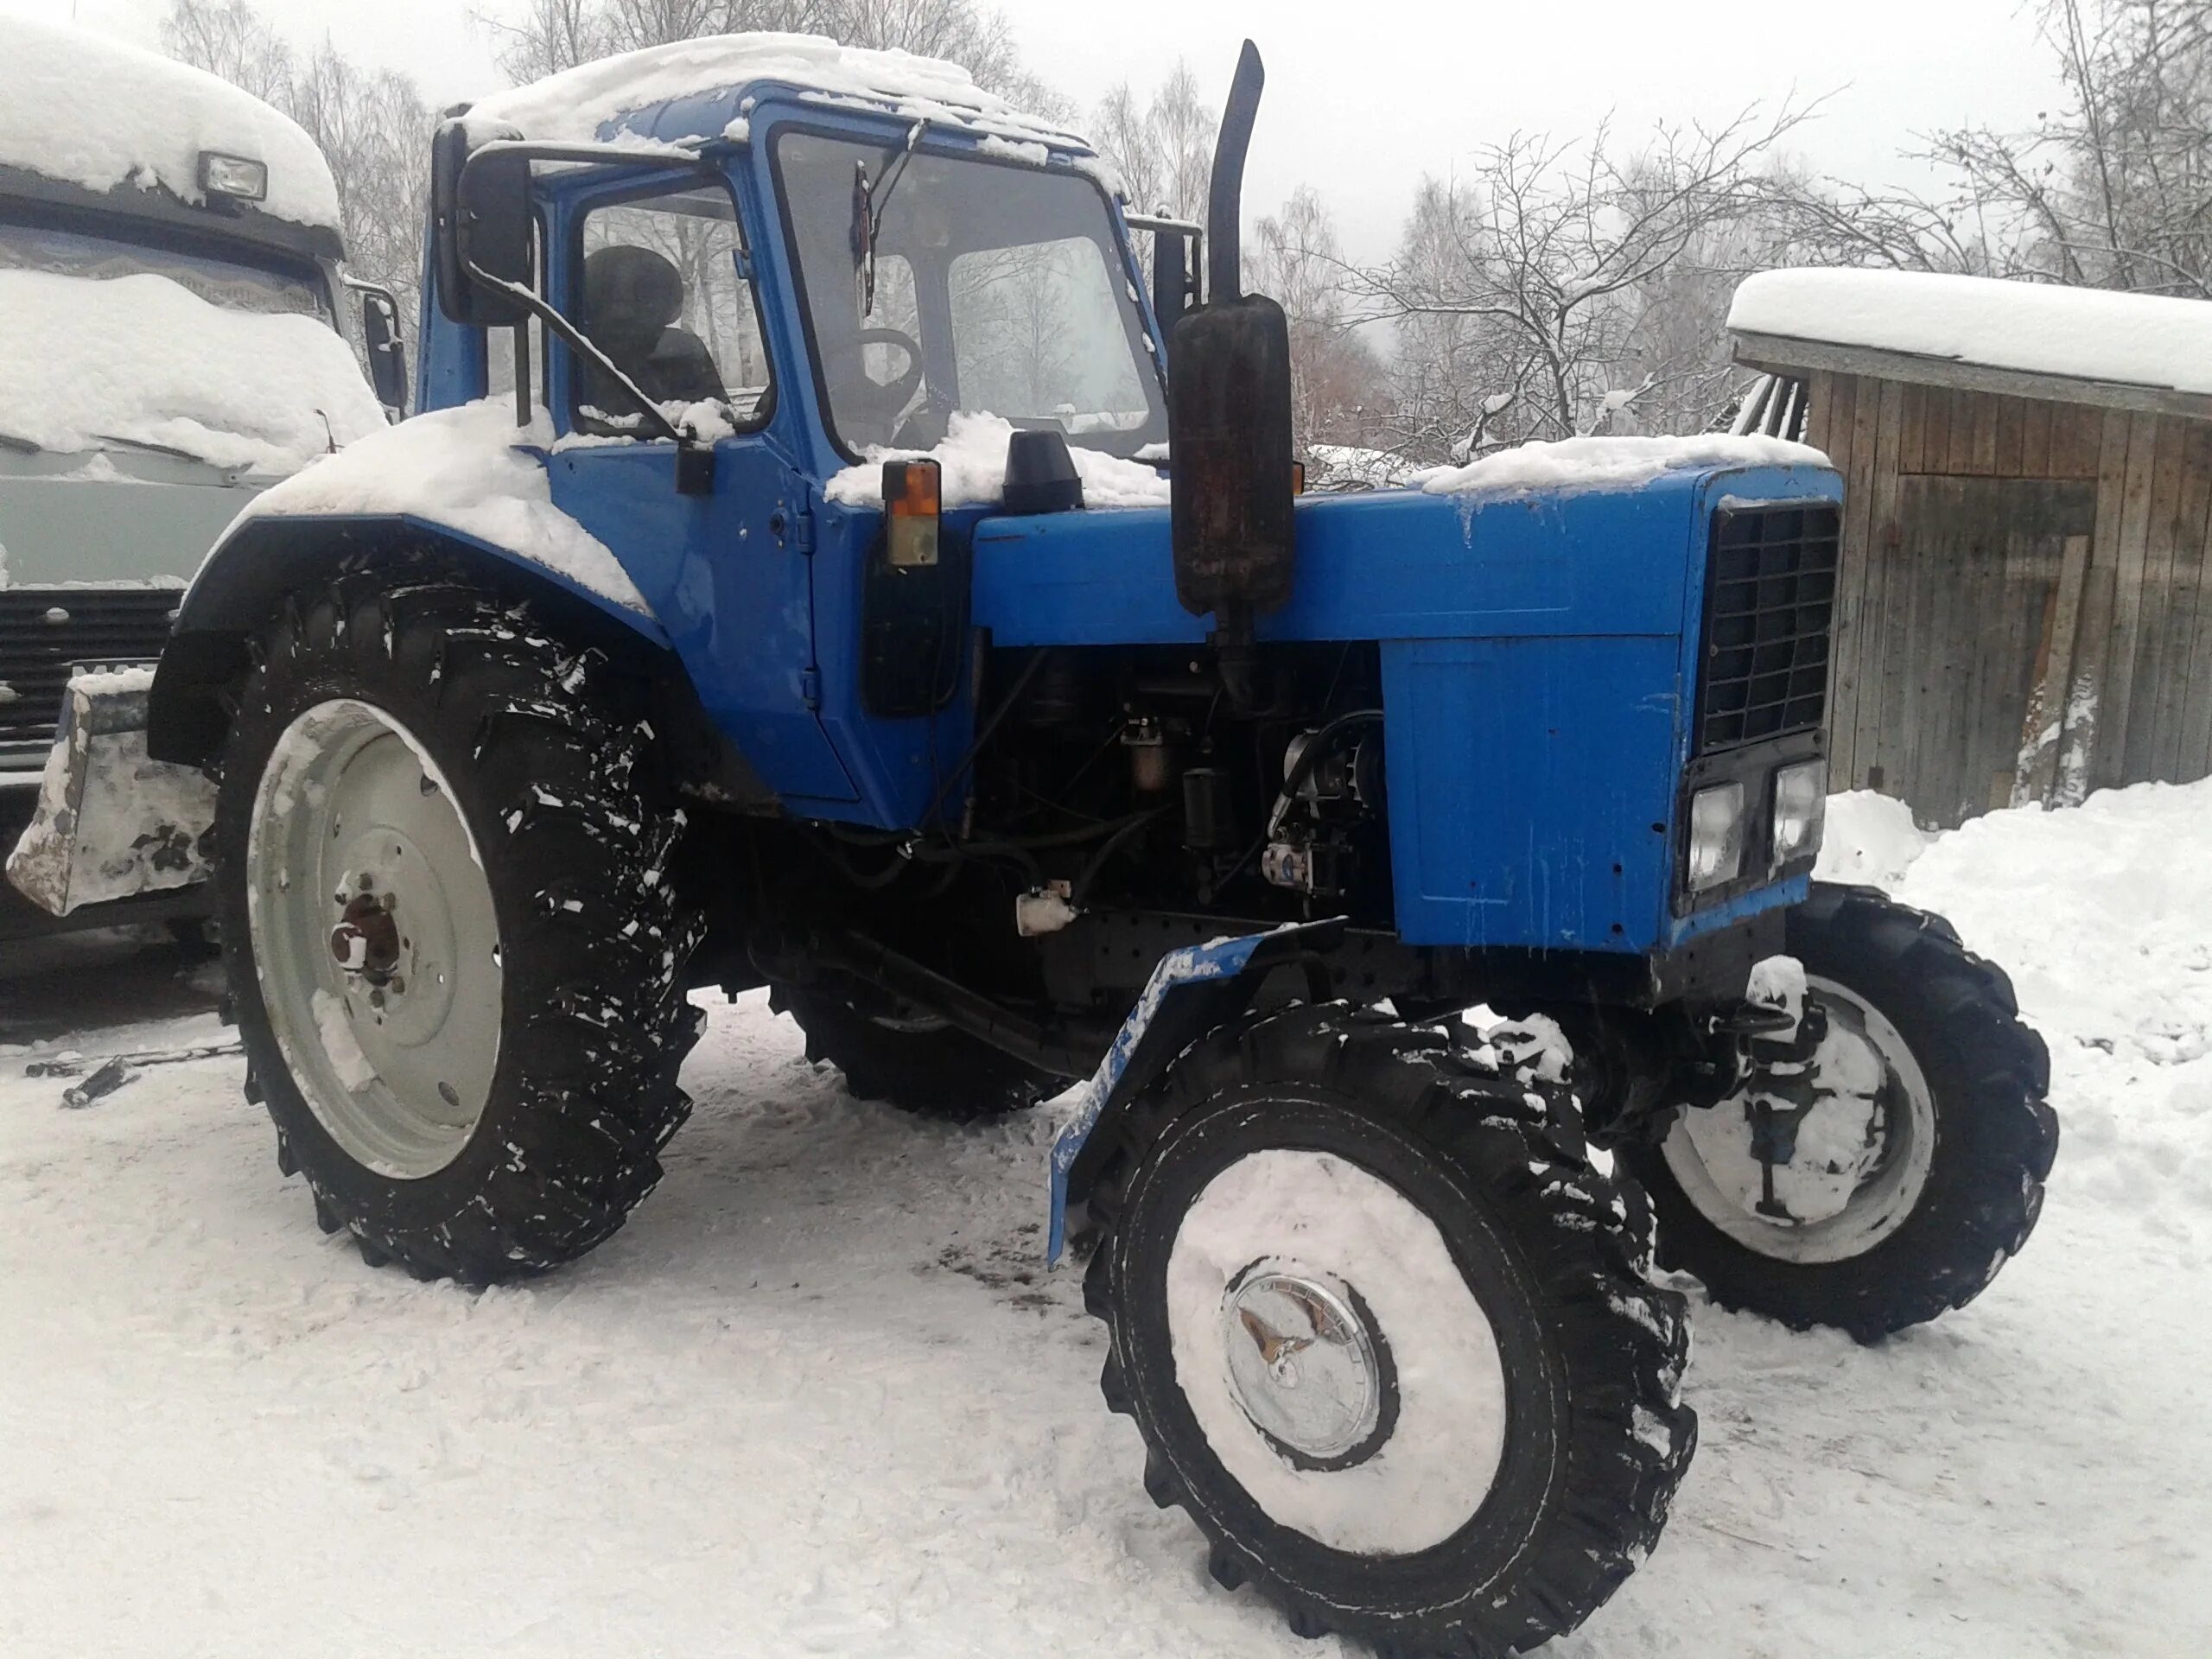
633, 297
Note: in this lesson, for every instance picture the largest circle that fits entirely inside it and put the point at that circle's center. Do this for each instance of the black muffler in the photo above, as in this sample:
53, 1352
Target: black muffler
1228, 399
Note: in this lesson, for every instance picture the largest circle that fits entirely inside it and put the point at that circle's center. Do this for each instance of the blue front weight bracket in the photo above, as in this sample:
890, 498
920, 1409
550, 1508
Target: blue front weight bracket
1192, 991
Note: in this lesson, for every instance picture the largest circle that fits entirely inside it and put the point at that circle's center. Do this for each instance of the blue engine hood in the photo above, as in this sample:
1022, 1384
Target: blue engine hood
1393, 565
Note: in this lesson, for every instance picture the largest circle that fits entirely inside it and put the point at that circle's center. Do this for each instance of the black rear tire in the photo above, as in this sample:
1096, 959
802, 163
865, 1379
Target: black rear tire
546, 751
1595, 1438
1995, 1136
928, 1068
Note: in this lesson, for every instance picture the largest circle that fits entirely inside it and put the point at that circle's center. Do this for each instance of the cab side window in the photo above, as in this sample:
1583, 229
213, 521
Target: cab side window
661, 294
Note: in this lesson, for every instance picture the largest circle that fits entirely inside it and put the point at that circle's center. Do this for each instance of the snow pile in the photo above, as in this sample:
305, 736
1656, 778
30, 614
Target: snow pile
1586, 466
462, 468
574, 105
1869, 838
223, 1430
2102, 915
143, 359
2034, 327
973, 461
95, 112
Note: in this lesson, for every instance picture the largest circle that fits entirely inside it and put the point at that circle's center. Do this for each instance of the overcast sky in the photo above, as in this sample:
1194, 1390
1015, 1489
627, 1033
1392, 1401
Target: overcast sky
1363, 96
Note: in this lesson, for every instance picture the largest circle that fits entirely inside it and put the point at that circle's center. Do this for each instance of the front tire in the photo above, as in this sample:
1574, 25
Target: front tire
1384, 1330
427, 785
1920, 1170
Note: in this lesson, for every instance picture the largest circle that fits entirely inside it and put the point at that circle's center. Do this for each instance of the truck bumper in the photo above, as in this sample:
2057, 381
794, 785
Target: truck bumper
105, 822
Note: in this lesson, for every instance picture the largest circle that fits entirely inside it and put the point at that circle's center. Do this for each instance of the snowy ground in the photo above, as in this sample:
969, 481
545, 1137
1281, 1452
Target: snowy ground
819, 1397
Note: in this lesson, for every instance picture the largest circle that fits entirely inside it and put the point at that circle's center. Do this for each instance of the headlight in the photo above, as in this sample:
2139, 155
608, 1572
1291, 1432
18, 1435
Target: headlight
235, 176
1716, 836
1801, 804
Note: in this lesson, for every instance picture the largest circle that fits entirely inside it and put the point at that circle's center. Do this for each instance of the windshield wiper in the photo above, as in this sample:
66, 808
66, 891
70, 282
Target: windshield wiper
869, 200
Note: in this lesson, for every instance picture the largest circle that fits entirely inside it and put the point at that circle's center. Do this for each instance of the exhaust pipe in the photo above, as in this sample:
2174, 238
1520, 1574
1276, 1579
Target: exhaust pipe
1225, 194
1229, 425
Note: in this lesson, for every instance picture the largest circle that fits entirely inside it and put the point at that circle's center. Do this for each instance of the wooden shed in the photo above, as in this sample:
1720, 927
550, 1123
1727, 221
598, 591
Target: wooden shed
2024, 608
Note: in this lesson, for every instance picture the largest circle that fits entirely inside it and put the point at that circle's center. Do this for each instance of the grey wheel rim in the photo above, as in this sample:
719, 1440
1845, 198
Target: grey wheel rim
376, 945
1869, 1075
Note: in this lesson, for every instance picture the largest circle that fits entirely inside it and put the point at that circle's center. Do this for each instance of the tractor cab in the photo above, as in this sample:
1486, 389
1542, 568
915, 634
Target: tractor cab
748, 299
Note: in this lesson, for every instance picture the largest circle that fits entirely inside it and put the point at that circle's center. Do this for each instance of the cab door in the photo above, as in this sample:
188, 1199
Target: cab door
657, 276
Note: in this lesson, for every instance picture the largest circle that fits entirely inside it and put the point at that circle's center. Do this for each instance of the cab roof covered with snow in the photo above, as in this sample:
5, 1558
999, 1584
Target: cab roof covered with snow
692, 93
88, 124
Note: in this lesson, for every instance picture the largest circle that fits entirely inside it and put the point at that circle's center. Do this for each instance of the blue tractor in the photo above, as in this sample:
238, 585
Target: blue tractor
838, 558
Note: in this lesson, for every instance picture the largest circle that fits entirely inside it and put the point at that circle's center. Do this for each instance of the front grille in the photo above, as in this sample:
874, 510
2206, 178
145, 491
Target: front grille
1770, 601
45, 633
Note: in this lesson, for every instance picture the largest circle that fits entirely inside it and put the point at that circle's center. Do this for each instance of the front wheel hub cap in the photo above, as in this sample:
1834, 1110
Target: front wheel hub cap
1302, 1362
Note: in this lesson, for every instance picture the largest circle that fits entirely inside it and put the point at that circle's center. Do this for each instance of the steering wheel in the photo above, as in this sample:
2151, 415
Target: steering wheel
882, 400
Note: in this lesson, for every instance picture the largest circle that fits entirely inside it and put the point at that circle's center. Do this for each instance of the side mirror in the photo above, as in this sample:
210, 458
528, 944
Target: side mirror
387, 351
480, 216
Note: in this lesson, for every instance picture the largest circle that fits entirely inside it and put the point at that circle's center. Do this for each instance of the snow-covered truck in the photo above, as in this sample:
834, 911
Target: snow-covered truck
176, 332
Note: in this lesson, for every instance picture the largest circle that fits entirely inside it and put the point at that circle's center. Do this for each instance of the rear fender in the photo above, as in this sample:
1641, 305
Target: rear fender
1192, 991
245, 579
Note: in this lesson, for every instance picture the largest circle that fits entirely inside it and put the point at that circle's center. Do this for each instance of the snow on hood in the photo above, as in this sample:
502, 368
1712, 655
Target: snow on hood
91, 111
462, 468
973, 458
143, 360
1586, 466
572, 107
2143, 339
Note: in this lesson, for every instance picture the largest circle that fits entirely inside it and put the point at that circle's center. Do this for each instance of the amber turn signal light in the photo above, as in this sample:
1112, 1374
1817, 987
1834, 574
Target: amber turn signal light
912, 498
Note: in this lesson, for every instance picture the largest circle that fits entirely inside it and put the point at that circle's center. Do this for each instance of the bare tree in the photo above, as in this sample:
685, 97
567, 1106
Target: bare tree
1336, 380
1162, 147
1523, 293
2115, 189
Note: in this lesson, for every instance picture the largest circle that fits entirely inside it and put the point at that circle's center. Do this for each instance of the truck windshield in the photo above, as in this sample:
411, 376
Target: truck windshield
998, 289
227, 283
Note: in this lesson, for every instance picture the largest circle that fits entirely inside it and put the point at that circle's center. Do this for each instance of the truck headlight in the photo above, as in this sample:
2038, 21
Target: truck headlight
1801, 805
239, 177
1716, 836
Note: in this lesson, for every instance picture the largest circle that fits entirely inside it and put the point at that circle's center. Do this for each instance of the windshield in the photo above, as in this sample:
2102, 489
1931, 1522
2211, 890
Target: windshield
106, 345
996, 288
223, 283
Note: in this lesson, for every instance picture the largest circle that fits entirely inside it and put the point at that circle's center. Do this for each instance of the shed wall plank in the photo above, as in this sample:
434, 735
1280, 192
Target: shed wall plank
2176, 611
1935, 447
1845, 682
2035, 438
1912, 435
1989, 439
1821, 393
2149, 704
1966, 422
2080, 749
1882, 552
2126, 633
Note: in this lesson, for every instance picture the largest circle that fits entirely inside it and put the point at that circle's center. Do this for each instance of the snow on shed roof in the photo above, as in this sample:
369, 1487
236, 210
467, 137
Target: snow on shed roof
574, 105
96, 112
2032, 339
